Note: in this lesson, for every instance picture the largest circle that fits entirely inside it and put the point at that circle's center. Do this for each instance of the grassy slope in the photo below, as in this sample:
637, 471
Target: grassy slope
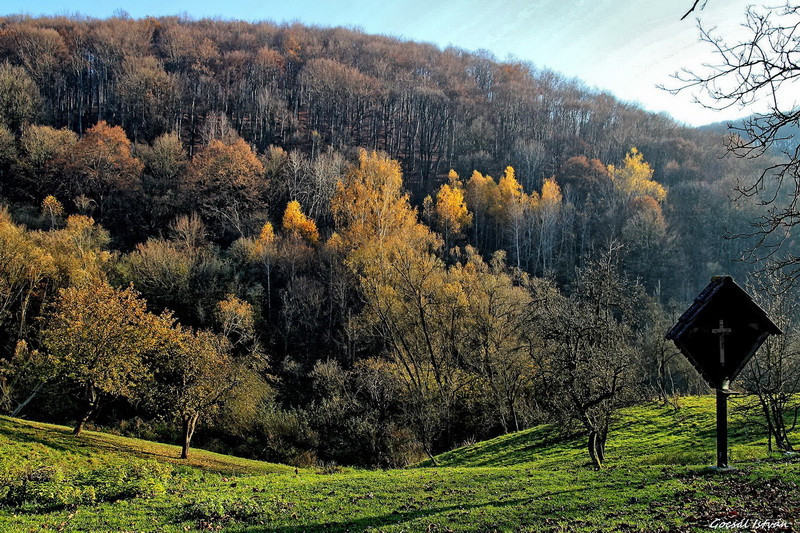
649, 435
36, 442
530, 480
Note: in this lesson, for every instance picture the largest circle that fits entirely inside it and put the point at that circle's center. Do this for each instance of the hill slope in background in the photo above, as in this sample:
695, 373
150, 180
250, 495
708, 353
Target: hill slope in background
149, 162
306, 87
532, 480
786, 139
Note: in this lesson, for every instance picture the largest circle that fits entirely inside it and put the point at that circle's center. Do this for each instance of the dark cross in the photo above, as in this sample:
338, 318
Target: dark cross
722, 401
721, 331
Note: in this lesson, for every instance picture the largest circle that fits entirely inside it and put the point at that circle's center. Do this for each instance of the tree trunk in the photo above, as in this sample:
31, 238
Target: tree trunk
83, 419
770, 431
189, 424
597, 461
601, 445
430, 455
779, 426
32, 395
514, 414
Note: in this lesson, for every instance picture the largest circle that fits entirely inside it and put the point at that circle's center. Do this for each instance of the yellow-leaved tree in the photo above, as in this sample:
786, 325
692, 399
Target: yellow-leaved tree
634, 178
551, 192
549, 209
78, 250
496, 341
640, 223
372, 212
409, 300
52, 210
481, 192
451, 215
266, 237
296, 223
26, 269
263, 253
510, 210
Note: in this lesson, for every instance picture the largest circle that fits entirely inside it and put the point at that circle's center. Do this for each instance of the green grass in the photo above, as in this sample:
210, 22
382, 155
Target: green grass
646, 435
48, 443
656, 480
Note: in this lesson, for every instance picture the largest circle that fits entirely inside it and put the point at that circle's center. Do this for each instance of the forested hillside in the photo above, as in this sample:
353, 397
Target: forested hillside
317, 244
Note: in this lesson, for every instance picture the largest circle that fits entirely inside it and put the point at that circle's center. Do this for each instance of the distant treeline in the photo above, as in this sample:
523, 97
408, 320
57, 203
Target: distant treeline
313, 90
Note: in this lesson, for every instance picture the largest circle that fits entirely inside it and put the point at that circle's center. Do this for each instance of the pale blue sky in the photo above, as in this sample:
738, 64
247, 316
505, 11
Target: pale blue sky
625, 47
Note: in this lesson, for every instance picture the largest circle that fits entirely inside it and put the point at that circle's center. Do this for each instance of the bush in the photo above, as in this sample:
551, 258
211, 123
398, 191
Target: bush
158, 430
42, 488
212, 508
53, 495
282, 436
45, 488
131, 480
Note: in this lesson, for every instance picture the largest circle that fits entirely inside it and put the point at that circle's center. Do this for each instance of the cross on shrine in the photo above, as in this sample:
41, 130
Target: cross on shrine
721, 331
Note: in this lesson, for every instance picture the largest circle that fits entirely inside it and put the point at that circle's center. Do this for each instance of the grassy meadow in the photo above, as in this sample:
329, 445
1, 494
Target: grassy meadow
656, 479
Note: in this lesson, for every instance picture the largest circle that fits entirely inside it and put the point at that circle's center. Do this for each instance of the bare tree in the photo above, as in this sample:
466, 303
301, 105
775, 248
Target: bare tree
762, 69
773, 375
694, 7
588, 372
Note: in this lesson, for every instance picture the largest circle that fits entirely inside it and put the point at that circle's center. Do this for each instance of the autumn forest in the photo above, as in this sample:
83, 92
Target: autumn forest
314, 245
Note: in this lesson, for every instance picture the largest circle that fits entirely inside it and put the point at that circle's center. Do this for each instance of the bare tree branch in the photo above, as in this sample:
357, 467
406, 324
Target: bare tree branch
762, 69
694, 6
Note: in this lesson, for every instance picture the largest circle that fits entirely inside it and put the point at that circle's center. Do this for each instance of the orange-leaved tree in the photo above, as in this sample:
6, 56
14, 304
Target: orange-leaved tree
225, 183
104, 169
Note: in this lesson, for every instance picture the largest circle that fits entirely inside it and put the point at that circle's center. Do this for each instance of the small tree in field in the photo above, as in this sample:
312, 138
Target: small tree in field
196, 372
588, 372
97, 337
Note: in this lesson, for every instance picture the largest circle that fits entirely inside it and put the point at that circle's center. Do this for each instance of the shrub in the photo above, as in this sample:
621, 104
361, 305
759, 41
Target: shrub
44, 488
131, 480
213, 507
41, 488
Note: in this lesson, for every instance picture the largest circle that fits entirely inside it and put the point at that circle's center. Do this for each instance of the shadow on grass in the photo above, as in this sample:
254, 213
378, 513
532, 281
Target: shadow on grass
58, 439
63, 440
396, 517
515, 448
198, 458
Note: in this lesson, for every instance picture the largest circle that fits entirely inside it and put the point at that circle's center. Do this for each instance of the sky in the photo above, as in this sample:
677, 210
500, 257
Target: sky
625, 47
